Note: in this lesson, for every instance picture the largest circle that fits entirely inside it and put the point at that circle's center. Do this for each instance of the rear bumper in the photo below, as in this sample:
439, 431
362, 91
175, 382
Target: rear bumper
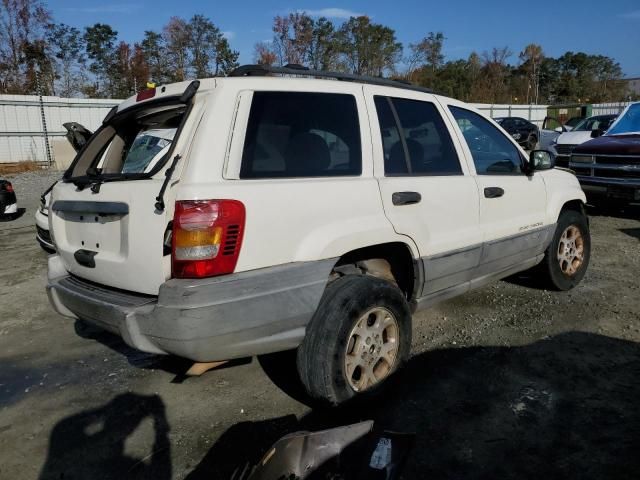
231, 316
8, 203
8, 209
42, 231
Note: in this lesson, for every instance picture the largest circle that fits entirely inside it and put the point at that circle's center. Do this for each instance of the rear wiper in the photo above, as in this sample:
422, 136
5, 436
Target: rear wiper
167, 177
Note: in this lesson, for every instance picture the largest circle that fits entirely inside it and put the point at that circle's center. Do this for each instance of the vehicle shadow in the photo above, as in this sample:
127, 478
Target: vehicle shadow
603, 210
565, 407
14, 216
168, 363
91, 444
632, 232
529, 279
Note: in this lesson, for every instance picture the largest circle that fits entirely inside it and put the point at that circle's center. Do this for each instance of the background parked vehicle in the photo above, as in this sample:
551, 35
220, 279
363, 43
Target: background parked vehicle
551, 129
572, 122
608, 167
42, 222
8, 201
583, 132
523, 131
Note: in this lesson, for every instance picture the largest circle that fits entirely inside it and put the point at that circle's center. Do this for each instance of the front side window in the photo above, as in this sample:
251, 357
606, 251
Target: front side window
492, 152
299, 134
415, 139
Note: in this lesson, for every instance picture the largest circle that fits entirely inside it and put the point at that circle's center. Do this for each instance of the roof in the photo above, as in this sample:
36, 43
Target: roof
299, 70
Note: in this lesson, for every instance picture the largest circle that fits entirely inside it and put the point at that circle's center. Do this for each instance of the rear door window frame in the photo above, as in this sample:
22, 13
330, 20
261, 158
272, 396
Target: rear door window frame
236, 145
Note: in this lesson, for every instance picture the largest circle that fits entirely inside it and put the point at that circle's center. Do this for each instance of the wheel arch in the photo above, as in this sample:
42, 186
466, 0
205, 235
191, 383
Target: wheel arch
391, 261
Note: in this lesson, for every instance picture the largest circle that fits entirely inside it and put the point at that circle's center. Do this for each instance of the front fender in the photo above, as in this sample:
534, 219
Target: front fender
562, 187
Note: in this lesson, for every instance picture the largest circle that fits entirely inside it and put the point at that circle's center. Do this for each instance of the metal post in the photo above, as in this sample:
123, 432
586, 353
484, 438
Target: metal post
44, 121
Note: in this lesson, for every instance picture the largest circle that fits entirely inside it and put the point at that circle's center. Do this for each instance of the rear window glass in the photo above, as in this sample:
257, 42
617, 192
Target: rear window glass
135, 144
299, 134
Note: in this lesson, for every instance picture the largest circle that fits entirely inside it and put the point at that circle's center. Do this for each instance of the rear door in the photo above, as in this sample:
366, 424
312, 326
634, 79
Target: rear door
104, 217
426, 190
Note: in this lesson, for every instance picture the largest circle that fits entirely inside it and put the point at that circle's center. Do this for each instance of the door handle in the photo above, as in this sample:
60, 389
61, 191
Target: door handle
85, 258
493, 192
406, 198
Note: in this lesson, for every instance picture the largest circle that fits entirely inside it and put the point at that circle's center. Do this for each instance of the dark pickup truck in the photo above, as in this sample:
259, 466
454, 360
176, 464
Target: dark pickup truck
608, 167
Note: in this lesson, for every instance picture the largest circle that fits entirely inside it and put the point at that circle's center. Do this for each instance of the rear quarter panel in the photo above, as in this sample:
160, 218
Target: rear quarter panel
289, 219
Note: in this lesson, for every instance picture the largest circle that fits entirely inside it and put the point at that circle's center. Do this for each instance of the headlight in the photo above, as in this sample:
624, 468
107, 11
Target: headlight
516, 136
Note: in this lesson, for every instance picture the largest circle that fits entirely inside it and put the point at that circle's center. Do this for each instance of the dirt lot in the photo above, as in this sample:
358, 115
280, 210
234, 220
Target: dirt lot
509, 381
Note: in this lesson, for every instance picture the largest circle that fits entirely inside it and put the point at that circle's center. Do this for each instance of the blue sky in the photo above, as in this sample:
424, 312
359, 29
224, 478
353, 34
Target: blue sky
609, 28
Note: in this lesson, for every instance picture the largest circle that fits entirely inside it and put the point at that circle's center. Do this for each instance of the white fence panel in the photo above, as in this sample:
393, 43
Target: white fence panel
21, 131
534, 113
21, 137
608, 108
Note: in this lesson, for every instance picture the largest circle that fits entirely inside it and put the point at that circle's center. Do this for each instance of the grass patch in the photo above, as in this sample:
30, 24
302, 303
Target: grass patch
21, 167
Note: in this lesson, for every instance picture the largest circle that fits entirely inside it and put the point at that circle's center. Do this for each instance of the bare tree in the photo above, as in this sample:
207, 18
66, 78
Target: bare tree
22, 30
264, 54
531, 58
177, 39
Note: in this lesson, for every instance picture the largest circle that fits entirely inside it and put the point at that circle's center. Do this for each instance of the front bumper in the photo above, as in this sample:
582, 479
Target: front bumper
219, 318
617, 188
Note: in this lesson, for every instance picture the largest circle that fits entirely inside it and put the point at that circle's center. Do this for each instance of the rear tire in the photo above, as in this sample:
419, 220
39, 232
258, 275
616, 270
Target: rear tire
357, 339
567, 257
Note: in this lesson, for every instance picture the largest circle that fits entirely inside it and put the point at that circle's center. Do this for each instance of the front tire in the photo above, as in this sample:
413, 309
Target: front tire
567, 257
532, 141
357, 339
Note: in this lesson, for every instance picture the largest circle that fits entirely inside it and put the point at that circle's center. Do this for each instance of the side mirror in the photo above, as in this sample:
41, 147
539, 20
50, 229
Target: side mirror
597, 132
540, 160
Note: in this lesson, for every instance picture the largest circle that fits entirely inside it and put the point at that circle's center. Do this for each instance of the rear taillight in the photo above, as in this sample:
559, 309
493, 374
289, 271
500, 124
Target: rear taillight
206, 237
8, 187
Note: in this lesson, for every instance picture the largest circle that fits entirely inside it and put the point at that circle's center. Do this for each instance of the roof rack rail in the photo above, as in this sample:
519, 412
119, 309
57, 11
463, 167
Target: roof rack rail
300, 70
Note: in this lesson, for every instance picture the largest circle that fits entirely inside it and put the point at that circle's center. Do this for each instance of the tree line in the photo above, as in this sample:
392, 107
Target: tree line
363, 47
38, 54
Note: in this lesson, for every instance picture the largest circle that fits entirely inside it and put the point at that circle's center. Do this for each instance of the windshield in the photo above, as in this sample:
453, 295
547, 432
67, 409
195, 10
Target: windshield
136, 144
628, 122
573, 121
594, 123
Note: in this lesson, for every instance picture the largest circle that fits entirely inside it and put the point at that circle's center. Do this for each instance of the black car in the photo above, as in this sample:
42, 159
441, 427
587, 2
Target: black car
523, 131
8, 202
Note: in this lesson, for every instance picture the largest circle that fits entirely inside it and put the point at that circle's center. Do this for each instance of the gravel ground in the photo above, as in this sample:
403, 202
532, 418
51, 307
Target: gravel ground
509, 381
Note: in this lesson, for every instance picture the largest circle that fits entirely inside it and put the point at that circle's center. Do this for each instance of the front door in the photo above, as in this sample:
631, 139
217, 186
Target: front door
512, 204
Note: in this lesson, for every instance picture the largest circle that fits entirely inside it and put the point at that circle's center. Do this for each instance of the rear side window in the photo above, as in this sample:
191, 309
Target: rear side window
299, 134
415, 139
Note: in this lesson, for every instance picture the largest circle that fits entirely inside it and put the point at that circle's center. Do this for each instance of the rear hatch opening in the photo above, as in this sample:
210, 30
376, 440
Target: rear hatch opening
105, 215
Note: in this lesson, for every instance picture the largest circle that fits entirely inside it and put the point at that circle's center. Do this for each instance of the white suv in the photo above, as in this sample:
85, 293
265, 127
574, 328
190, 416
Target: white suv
301, 212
